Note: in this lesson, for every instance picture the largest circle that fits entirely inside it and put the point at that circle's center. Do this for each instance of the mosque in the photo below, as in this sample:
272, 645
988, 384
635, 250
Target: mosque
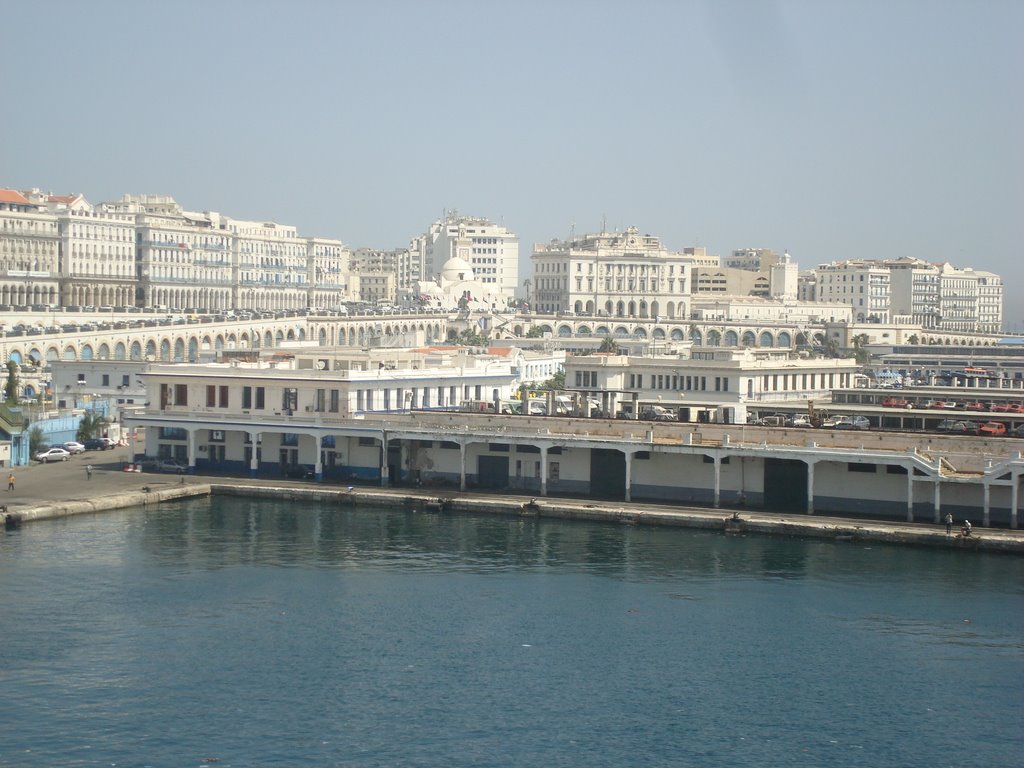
457, 288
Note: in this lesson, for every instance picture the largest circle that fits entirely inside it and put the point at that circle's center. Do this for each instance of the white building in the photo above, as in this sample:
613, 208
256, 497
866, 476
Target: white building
614, 274
241, 406
706, 378
29, 252
97, 251
935, 296
863, 284
490, 249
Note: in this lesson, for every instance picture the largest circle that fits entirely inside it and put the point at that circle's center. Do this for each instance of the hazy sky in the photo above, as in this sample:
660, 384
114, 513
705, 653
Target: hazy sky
832, 130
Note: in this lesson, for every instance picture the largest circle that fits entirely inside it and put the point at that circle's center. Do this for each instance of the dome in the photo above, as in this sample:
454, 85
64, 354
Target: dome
456, 270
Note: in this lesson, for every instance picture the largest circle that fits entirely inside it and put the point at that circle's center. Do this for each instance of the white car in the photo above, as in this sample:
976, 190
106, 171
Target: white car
72, 447
53, 454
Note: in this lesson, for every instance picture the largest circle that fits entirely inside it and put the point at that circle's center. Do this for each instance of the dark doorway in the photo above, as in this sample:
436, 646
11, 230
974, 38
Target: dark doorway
785, 485
394, 464
607, 474
492, 472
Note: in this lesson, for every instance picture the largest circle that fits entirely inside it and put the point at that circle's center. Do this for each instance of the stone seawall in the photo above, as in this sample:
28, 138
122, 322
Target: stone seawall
745, 522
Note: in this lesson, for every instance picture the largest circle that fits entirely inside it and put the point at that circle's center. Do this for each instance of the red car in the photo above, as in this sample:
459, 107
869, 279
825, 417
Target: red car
975, 406
896, 402
993, 429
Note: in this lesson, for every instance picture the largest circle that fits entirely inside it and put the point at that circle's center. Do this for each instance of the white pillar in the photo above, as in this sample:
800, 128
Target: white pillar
986, 509
544, 471
910, 494
718, 479
629, 473
1015, 478
254, 460
192, 451
810, 487
318, 467
384, 471
938, 500
462, 466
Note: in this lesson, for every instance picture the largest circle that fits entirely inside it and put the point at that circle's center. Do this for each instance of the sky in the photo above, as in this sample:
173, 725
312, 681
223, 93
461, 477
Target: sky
828, 129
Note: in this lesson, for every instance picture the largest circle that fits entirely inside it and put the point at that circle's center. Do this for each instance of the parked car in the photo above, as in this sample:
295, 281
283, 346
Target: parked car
99, 444
834, 421
299, 472
165, 465
798, 420
73, 447
958, 427
993, 429
896, 402
854, 422
53, 454
975, 405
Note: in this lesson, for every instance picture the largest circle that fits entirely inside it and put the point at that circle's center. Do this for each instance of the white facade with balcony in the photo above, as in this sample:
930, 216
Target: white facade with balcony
613, 274
29, 252
491, 250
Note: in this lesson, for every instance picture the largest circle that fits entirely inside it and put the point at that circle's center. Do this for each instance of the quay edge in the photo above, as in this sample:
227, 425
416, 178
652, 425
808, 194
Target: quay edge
728, 521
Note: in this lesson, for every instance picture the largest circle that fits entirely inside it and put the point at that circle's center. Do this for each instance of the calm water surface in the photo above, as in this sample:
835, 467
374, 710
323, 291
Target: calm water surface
266, 634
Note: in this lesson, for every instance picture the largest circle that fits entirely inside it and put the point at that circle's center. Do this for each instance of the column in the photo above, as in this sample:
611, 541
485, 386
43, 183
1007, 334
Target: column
384, 471
318, 468
1015, 481
987, 504
192, 451
629, 473
718, 480
910, 494
254, 461
462, 465
810, 487
544, 470
937, 503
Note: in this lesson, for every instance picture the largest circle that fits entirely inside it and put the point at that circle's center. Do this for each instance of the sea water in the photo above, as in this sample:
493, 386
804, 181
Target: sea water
289, 634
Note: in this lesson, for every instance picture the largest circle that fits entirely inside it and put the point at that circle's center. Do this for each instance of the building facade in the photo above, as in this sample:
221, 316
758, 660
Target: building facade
490, 249
616, 274
29, 252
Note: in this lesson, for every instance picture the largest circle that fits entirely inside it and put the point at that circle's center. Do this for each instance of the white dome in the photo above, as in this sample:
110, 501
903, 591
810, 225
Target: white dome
457, 270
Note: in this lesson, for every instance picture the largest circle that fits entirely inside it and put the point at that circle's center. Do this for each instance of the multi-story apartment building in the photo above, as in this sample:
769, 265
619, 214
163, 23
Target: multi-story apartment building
29, 252
934, 296
491, 250
97, 251
209, 262
617, 274
863, 284
330, 272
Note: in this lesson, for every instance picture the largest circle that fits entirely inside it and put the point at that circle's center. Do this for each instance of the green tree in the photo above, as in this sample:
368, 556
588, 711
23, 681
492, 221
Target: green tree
608, 344
471, 338
36, 441
860, 342
535, 332
12, 383
91, 426
556, 382
913, 339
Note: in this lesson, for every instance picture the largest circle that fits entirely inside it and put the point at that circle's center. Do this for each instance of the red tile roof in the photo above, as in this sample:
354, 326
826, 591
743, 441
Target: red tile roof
66, 199
11, 196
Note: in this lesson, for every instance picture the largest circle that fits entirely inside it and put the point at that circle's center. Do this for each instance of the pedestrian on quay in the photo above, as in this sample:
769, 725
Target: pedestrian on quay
949, 523
967, 528
10, 482
88, 471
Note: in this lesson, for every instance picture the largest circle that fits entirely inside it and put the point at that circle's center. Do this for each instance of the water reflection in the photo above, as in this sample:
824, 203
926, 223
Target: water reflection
221, 532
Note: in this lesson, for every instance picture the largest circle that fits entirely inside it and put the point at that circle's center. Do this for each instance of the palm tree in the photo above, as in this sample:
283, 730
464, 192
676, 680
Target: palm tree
91, 426
608, 345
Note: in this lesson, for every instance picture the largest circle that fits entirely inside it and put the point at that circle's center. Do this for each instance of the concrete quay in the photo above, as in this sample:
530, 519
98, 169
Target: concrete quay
45, 492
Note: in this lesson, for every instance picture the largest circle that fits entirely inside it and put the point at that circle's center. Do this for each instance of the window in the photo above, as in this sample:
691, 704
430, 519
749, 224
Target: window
105, 380
211, 396
223, 392
334, 406
181, 394
289, 398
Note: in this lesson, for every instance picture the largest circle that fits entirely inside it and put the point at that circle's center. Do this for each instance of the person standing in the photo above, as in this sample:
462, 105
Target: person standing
88, 471
949, 523
10, 482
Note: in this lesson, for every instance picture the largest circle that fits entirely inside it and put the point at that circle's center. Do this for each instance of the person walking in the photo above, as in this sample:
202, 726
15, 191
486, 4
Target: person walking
88, 471
10, 482
949, 523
